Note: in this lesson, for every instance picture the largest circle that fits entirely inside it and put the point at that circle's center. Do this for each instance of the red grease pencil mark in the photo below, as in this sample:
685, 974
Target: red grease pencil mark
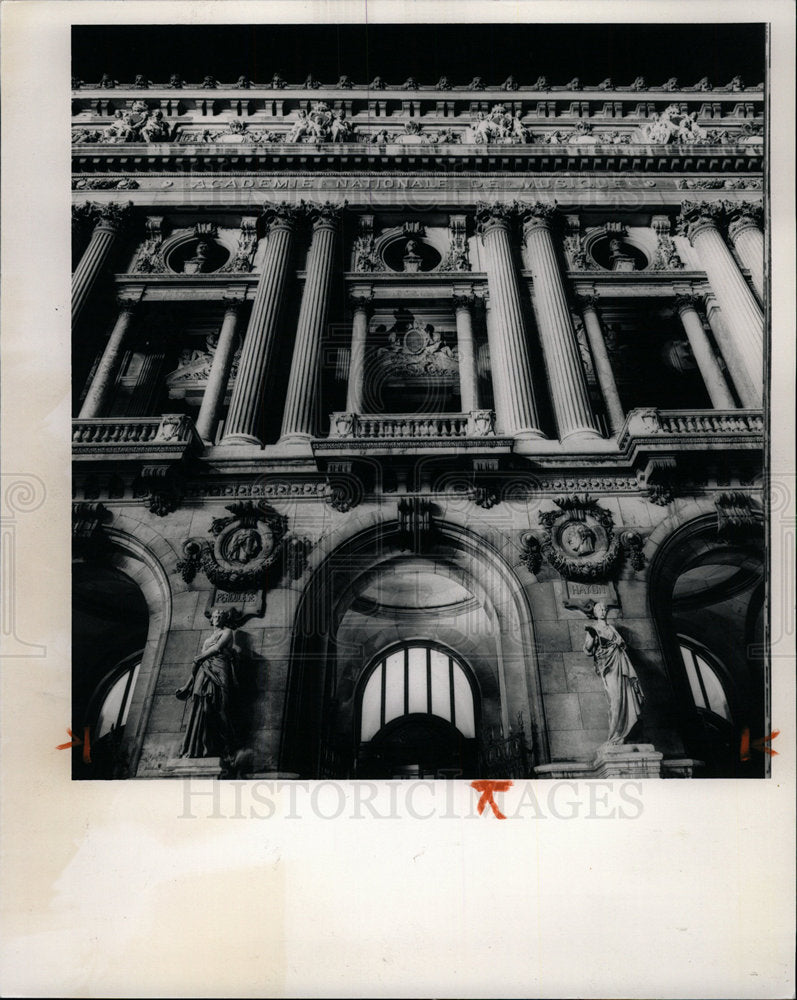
76, 742
487, 787
761, 745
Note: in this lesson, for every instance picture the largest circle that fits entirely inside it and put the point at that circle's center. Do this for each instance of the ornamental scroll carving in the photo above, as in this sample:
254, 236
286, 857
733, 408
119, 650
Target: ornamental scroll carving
249, 550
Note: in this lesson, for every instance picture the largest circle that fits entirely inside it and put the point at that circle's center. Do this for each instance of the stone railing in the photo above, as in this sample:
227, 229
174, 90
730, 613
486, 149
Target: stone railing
648, 423
171, 433
114, 430
412, 426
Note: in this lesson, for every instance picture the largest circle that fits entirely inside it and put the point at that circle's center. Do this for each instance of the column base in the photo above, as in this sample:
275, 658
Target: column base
582, 432
524, 434
295, 443
241, 439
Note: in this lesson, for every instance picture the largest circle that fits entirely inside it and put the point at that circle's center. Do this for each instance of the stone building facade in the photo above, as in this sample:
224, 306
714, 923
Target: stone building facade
405, 379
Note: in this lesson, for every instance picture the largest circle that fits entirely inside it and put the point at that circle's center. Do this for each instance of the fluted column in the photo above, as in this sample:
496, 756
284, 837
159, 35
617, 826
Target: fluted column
719, 394
749, 394
468, 379
104, 380
742, 314
216, 388
744, 229
603, 365
513, 392
361, 304
110, 220
248, 397
565, 373
298, 422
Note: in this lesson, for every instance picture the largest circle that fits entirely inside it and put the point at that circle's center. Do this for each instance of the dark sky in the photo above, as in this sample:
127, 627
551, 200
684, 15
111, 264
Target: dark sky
493, 51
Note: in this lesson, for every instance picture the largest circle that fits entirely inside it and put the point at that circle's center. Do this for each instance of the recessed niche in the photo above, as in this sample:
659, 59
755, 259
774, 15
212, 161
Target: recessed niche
613, 253
411, 254
198, 256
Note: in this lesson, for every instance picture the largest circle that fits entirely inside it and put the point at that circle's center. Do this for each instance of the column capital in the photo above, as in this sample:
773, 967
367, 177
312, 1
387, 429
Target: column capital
129, 299
467, 300
743, 215
537, 216
233, 301
327, 214
283, 215
686, 302
498, 215
697, 216
362, 302
589, 301
111, 217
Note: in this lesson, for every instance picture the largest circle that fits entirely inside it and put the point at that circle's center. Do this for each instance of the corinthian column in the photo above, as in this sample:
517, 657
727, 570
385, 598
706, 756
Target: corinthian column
740, 310
111, 219
361, 305
248, 397
468, 379
719, 394
749, 394
303, 384
565, 374
603, 364
744, 229
515, 408
213, 399
98, 396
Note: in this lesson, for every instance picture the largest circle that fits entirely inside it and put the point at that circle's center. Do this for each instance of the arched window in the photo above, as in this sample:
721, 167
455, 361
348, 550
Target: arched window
417, 679
112, 714
707, 688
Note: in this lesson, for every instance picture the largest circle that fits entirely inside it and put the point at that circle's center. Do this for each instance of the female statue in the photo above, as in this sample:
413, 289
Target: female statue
607, 648
210, 730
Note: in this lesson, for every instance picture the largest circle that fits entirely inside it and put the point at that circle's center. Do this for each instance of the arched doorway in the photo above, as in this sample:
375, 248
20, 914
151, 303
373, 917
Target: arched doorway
417, 715
707, 598
370, 594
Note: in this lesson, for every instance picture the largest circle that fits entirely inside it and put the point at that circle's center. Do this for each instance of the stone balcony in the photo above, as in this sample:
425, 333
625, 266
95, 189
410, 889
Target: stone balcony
647, 430
378, 433
168, 438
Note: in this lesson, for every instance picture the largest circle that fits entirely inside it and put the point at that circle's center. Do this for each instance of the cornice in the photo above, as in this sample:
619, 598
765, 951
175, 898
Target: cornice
134, 159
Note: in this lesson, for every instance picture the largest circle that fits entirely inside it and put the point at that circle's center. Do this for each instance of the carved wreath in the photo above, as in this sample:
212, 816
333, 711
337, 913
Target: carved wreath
579, 538
247, 548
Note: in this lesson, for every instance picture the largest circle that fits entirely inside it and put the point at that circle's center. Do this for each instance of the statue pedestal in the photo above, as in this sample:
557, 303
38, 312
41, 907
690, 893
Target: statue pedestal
625, 760
191, 767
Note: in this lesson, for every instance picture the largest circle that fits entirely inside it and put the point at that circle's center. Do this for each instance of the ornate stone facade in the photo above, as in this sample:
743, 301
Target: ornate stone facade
389, 381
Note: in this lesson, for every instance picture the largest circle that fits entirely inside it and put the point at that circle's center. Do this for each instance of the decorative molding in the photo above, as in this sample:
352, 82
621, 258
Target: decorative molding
138, 124
249, 551
531, 553
580, 541
738, 515
416, 525
458, 256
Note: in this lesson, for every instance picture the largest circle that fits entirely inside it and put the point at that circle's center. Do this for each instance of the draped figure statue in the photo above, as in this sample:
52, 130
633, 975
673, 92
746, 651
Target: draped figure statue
607, 648
209, 689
